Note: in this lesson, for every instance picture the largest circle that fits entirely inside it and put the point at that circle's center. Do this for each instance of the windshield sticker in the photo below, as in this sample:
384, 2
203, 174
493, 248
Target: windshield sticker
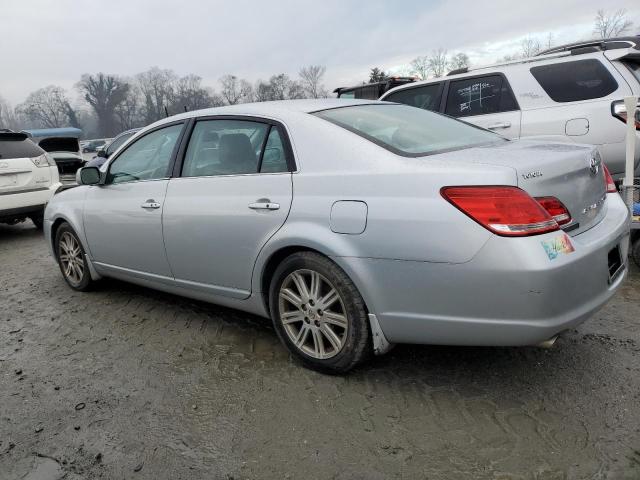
560, 245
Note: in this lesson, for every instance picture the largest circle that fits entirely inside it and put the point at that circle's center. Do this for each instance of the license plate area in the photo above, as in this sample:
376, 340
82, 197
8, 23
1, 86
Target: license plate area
615, 263
8, 180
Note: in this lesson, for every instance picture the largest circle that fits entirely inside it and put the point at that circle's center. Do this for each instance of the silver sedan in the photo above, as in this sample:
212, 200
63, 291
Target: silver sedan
353, 225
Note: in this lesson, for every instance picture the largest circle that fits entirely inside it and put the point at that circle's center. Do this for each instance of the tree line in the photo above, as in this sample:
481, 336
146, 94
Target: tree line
439, 61
109, 104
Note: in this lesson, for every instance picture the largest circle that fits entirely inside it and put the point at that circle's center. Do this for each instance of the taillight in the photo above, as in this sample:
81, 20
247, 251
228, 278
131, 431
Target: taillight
608, 181
507, 211
556, 209
619, 110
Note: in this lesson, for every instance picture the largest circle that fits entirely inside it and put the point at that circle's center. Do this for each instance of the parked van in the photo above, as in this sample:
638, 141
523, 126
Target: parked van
572, 93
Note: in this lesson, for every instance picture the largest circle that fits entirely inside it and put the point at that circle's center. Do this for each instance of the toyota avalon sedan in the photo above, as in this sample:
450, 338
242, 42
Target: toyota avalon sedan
353, 225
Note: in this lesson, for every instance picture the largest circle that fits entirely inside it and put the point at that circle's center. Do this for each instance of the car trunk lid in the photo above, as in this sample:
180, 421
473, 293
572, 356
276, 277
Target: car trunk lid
571, 173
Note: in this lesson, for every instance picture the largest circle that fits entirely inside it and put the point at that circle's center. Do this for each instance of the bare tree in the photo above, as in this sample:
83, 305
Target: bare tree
377, 75
549, 41
104, 93
8, 117
530, 47
129, 111
235, 90
189, 94
419, 67
459, 60
158, 90
438, 62
311, 81
611, 25
279, 87
49, 107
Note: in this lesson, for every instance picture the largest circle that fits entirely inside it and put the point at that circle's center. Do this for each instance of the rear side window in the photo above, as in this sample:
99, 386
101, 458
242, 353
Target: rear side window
18, 148
426, 97
575, 81
479, 96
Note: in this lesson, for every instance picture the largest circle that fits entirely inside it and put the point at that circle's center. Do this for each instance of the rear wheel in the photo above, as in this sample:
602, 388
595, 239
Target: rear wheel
635, 250
319, 314
71, 259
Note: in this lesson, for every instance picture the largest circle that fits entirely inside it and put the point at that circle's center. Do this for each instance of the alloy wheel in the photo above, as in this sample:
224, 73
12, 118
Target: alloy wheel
313, 314
71, 258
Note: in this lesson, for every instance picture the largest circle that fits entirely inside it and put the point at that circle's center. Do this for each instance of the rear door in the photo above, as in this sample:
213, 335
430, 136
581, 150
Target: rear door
486, 101
233, 194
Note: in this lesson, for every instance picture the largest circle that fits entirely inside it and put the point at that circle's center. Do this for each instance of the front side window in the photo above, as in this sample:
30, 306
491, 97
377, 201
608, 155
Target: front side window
426, 97
408, 131
147, 158
575, 81
479, 96
224, 147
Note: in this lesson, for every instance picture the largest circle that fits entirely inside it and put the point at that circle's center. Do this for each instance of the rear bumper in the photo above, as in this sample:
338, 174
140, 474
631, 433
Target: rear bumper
17, 205
510, 293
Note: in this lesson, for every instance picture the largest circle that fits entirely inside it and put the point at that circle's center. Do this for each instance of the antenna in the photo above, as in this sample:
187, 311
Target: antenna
166, 112
185, 109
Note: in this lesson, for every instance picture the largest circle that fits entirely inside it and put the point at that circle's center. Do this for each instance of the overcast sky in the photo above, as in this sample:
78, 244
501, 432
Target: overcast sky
45, 42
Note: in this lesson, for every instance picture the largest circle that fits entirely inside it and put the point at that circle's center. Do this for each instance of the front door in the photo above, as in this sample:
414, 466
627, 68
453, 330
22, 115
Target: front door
123, 217
234, 193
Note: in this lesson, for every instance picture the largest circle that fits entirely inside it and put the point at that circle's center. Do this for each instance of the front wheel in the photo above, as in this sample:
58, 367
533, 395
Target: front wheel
71, 259
319, 314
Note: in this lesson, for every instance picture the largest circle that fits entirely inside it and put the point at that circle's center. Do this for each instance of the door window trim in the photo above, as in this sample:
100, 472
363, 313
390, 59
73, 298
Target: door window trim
172, 160
445, 95
188, 132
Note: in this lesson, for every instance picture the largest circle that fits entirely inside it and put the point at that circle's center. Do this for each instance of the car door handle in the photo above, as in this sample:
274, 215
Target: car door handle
150, 204
264, 206
496, 126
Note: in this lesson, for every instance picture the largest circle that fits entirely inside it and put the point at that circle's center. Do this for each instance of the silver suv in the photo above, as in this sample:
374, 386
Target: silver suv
571, 93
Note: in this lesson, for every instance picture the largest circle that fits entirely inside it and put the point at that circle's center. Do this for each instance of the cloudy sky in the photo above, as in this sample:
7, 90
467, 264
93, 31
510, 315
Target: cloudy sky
45, 42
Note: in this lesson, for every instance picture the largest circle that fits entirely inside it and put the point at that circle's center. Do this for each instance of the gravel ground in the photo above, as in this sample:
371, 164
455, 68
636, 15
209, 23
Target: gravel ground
126, 382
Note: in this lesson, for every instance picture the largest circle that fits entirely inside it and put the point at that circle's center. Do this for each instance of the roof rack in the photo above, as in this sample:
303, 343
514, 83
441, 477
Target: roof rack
597, 45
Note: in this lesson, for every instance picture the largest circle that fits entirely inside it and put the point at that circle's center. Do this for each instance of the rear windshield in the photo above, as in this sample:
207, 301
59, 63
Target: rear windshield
409, 131
18, 148
575, 81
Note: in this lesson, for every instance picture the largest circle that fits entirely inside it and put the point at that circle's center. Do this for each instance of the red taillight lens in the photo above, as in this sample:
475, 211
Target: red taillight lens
608, 181
507, 211
556, 209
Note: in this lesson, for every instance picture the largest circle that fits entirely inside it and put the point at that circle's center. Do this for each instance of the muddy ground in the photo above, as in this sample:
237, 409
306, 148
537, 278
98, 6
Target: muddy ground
126, 382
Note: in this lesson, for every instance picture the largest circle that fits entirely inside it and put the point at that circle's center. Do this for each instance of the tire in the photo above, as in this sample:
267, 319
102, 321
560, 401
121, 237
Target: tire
38, 221
66, 243
635, 250
328, 332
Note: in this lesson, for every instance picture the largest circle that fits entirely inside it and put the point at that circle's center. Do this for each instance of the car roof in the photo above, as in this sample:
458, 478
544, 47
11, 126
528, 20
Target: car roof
279, 108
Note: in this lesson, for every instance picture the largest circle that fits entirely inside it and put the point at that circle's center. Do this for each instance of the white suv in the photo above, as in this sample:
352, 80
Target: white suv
28, 179
571, 93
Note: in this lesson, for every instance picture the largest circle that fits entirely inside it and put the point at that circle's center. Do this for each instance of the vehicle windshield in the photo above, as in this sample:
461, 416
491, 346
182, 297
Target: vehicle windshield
408, 131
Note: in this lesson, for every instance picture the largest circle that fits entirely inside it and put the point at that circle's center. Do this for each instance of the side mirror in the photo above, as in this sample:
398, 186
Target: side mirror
88, 176
102, 153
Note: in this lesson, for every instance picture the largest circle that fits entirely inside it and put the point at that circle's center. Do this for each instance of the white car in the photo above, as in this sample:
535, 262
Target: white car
28, 179
572, 93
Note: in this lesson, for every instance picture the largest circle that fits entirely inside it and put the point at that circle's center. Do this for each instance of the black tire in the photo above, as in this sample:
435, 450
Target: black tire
80, 282
38, 221
356, 337
635, 250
